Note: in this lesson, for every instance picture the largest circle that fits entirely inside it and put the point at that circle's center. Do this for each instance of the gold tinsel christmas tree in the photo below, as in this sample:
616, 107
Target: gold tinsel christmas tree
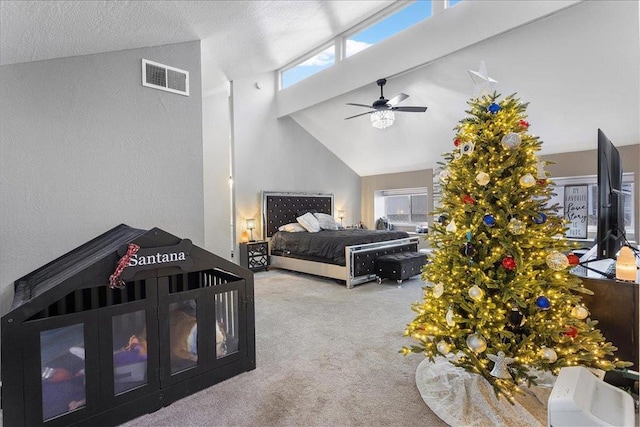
500, 300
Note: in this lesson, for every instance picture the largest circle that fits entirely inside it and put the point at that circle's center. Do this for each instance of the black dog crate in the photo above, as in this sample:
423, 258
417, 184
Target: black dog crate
104, 334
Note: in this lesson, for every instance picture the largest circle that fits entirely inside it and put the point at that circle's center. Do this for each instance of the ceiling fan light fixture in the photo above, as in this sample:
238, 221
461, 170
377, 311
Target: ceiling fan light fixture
382, 119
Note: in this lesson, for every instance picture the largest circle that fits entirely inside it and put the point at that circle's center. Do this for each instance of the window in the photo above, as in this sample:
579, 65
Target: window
393, 24
404, 206
453, 3
396, 18
318, 62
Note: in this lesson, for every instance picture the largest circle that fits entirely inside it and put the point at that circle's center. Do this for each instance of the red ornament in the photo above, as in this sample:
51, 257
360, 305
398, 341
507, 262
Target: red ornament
467, 199
571, 332
524, 124
456, 142
541, 182
509, 263
573, 259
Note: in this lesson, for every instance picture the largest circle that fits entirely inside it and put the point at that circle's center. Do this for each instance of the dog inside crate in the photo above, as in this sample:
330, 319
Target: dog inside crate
183, 326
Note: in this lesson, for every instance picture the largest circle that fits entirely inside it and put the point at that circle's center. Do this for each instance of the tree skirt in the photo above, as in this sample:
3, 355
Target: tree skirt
460, 398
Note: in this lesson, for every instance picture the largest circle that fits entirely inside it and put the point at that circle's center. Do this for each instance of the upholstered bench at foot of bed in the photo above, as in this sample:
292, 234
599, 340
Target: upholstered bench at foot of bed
399, 266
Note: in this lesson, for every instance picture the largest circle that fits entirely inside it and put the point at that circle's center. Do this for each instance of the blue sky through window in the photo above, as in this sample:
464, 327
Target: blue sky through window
393, 24
404, 18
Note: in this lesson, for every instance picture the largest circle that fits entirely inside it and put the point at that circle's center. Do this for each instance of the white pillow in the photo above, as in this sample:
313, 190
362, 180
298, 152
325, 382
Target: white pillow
326, 221
309, 222
293, 227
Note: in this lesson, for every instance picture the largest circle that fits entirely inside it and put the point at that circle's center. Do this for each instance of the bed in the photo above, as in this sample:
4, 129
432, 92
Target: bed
345, 255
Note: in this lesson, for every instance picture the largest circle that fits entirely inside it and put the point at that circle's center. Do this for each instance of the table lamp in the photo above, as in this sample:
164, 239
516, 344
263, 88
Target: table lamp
626, 265
251, 224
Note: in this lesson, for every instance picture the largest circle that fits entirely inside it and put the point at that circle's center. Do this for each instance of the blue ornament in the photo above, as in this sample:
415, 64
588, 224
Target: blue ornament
494, 108
489, 220
541, 218
543, 303
442, 219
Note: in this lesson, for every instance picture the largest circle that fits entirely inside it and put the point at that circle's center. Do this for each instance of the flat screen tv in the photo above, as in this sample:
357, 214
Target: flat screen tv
611, 235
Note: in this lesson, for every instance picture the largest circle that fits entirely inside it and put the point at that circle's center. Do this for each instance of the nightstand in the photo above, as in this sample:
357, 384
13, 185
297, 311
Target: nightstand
255, 255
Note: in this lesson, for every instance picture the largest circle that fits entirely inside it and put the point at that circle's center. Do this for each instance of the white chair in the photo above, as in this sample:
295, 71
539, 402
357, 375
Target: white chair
579, 398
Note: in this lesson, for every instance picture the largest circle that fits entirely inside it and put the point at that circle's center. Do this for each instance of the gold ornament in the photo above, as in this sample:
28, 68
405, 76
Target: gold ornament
557, 261
527, 181
579, 312
438, 290
483, 178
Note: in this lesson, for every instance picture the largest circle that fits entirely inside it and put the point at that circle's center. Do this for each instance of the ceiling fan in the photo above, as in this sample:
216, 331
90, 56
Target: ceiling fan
383, 104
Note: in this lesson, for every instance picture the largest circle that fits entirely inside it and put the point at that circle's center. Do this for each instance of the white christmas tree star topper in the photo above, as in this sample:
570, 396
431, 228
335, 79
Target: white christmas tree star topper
482, 83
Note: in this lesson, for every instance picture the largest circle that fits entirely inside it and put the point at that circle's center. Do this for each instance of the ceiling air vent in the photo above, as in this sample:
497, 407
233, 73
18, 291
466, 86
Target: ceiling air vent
163, 77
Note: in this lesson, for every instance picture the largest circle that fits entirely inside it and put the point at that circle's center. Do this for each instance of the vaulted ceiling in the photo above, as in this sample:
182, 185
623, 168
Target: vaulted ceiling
578, 67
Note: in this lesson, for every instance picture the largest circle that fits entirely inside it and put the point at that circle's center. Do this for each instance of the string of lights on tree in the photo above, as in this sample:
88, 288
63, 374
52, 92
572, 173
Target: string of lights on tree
499, 299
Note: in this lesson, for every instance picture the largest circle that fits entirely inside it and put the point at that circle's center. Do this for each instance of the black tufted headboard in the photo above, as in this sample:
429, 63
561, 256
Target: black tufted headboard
282, 208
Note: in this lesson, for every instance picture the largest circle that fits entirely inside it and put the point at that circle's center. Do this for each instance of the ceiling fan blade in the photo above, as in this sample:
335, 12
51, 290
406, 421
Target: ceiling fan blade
358, 115
359, 105
397, 99
410, 109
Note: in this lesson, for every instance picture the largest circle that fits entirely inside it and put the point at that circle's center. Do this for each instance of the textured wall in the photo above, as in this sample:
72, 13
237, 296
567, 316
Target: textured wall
85, 147
278, 155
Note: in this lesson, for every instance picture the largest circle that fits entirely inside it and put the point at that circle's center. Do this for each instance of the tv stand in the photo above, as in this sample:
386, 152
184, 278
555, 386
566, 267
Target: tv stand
614, 305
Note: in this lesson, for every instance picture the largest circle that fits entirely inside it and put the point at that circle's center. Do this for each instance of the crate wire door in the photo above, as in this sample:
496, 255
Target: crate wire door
201, 324
62, 382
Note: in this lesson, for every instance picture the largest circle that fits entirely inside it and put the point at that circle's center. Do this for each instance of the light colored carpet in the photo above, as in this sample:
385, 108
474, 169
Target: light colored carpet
326, 356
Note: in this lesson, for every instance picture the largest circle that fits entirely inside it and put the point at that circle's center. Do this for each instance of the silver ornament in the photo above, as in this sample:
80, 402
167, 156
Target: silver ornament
443, 347
444, 175
548, 353
511, 141
467, 148
501, 362
476, 343
476, 293
449, 318
451, 227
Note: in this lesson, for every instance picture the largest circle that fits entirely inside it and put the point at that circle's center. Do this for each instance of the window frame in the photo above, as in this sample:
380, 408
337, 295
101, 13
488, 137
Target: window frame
381, 203
340, 41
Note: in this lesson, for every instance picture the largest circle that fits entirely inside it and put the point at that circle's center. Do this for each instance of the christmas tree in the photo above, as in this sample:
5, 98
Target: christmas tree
500, 300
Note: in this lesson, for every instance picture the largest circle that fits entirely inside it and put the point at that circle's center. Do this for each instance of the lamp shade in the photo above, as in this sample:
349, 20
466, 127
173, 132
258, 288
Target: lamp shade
626, 265
382, 119
341, 213
251, 224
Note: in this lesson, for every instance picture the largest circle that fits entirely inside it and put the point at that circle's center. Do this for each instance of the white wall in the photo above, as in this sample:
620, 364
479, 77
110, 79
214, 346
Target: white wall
217, 195
85, 147
278, 155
